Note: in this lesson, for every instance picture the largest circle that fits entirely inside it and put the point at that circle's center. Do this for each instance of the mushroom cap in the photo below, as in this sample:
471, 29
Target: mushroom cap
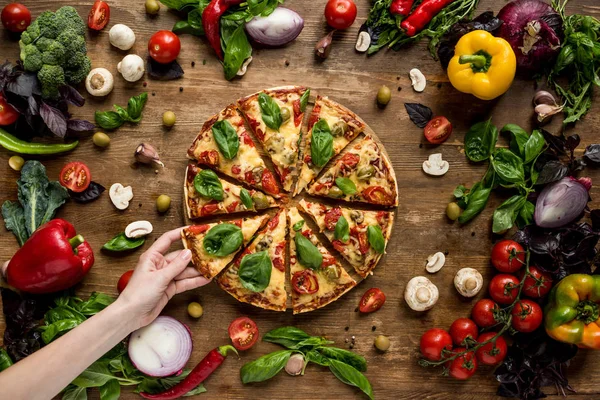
468, 282
421, 294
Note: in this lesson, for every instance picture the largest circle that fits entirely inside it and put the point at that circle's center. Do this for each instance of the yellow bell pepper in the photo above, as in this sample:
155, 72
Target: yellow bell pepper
483, 65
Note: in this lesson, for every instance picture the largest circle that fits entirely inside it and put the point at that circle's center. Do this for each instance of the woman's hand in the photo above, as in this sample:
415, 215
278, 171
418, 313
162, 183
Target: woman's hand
159, 277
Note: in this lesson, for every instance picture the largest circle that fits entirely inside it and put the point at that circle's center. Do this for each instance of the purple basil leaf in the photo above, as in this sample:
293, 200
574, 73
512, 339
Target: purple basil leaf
80, 125
556, 143
592, 153
595, 216
163, 72
419, 114
90, 194
552, 171
54, 120
33, 108
572, 142
71, 95
24, 85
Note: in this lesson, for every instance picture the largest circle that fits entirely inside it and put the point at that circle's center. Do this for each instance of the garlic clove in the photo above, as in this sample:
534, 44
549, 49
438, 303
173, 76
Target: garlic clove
138, 229
546, 111
323, 47
543, 97
295, 364
147, 154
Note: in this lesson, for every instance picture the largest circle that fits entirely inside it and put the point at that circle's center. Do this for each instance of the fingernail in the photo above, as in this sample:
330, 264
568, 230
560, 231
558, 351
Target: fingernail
186, 254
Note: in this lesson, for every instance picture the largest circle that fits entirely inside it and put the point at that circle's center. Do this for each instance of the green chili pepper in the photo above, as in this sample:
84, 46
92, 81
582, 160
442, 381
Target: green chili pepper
12, 143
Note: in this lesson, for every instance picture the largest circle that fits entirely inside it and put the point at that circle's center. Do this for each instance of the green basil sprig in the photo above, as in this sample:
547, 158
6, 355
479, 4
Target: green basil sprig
246, 199
271, 112
375, 237
255, 271
508, 166
208, 184
236, 44
308, 254
506, 214
226, 138
265, 367
110, 120
342, 230
123, 243
350, 376
321, 144
304, 100
346, 186
480, 141
223, 239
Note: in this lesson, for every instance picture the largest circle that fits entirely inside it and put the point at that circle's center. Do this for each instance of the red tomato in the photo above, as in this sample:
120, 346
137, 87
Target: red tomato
433, 342
209, 208
438, 130
331, 218
16, 17
164, 46
508, 256
483, 313
377, 195
232, 207
526, 316
236, 169
504, 288
340, 14
75, 176
492, 353
273, 222
537, 284
209, 157
463, 367
8, 115
99, 15
305, 282
243, 333
124, 280
198, 229
350, 160
461, 329
269, 183
371, 301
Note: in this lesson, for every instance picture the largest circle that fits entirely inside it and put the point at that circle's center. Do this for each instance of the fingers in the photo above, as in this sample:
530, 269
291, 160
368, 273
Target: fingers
166, 240
172, 255
190, 283
179, 264
189, 272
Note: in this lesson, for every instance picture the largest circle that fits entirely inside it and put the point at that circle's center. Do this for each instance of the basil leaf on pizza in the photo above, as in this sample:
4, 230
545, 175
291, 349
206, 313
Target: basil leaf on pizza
376, 239
308, 254
246, 199
255, 271
271, 112
342, 230
226, 138
223, 239
208, 184
346, 185
304, 100
321, 144
298, 225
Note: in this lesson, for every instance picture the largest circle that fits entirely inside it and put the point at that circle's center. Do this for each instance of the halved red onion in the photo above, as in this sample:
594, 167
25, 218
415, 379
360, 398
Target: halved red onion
560, 203
161, 348
280, 27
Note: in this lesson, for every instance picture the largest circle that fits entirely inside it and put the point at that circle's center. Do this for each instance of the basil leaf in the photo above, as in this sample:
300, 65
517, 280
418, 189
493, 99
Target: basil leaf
342, 230
197, 390
304, 100
287, 336
5, 360
226, 138
419, 114
270, 110
345, 356
237, 49
208, 184
263, 8
223, 239
480, 141
350, 376
519, 137
317, 358
308, 254
255, 271
506, 214
123, 243
108, 120
508, 166
95, 375
111, 390
314, 341
75, 393
478, 198
298, 225
246, 199
346, 186
265, 367
135, 105
376, 239
321, 144
179, 4
182, 27
533, 147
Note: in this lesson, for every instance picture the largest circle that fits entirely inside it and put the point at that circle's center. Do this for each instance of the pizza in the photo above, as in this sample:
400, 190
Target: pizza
268, 247
316, 277
330, 128
215, 245
275, 117
361, 239
207, 194
224, 144
363, 174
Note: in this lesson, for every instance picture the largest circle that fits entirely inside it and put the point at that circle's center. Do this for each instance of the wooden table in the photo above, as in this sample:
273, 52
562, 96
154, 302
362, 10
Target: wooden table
421, 226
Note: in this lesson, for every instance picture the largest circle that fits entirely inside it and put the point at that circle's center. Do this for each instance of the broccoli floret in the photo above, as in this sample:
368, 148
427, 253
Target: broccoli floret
80, 72
32, 58
54, 54
32, 33
44, 43
71, 20
51, 77
49, 25
74, 44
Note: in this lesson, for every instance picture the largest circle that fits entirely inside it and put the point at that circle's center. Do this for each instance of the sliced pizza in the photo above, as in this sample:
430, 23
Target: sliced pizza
207, 194
224, 144
275, 116
363, 174
317, 278
213, 246
360, 236
257, 276
330, 128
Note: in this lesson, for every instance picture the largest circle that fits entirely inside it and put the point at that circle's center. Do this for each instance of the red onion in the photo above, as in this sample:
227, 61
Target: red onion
280, 27
533, 29
560, 203
161, 348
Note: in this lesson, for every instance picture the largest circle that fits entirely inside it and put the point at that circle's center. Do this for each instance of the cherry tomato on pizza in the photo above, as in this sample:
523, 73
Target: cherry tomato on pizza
164, 46
371, 301
462, 329
433, 342
537, 284
269, 183
504, 288
508, 256
331, 218
98, 16
75, 176
305, 282
340, 14
493, 352
243, 333
526, 316
483, 313
124, 280
464, 366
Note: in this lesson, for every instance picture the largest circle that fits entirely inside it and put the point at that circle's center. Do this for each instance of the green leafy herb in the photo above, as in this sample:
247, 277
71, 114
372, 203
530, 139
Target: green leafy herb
533, 147
208, 184
110, 120
75, 393
507, 213
304, 100
321, 145
346, 185
111, 390
270, 110
237, 48
350, 376
226, 138
480, 141
135, 106
342, 230
526, 214
298, 225
316, 357
255, 271
287, 336
308, 254
5, 360
345, 356
376, 239
508, 166
123, 243
246, 199
223, 239
518, 138
265, 367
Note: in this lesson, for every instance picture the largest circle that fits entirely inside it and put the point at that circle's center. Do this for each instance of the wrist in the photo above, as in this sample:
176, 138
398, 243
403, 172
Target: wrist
125, 315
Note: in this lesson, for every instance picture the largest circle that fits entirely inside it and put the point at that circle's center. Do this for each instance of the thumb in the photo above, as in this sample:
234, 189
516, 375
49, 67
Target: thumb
178, 264
4, 268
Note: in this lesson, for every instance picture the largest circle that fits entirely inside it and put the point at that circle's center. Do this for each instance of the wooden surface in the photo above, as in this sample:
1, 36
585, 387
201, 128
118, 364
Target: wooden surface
421, 226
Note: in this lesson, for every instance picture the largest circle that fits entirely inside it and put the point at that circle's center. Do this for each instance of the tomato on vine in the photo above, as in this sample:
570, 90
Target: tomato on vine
462, 329
483, 313
508, 256
491, 353
433, 342
526, 316
537, 284
464, 366
504, 288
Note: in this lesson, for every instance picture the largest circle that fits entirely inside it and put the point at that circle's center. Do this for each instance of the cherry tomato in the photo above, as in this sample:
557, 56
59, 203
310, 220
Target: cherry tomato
508, 256
331, 218
209, 208
483, 313
198, 229
269, 183
16, 17
377, 195
350, 160
371, 301
98, 16
537, 284
243, 333
305, 282
75, 176
8, 115
340, 14
164, 46
438, 130
526, 316
504, 288
461, 329
124, 280
462, 367
433, 342
492, 353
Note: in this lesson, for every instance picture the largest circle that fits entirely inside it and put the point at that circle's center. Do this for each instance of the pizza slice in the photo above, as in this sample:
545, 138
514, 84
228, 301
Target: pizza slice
360, 236
207, 194
213, 246
330, 128
224, 144
317, 278
363, 174
257, 276
275, 116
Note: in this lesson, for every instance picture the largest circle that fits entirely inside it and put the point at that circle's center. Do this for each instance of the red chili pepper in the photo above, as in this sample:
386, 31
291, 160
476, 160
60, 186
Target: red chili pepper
422, 15
54, 258
202, 371
401, 7
211, 16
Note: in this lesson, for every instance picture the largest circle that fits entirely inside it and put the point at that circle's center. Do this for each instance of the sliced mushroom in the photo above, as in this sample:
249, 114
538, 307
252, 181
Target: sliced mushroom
435, 165
120, 195
244, 67
138, 229
468, 282
417, 80
421, 294
295, 364
363, 41
435, 262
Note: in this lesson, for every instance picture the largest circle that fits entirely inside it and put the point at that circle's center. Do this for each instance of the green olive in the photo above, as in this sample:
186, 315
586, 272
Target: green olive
169, 119
332, 272
382, 343
453, 211
101, 139
163, 202
365, 173
16, 162
339, 128
152, 7
195, 310
384, 95
260, 201
335, 192
285, 114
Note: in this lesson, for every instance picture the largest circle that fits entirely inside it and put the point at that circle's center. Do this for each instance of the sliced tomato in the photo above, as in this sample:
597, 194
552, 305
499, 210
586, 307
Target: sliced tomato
269, 183
8, 115
314, 116
209, 157
246, 139
438, 130
331, 218
278, 263
124, 280
298, 114
327, 261
99, 16
363, 241
372, 300
350, 160
75, 176
249, 178
377, 195
236, 169
339, 245
198, 229
305, 282
273, 222
209, 209
307, 159
243, 333
237, 222
232, 207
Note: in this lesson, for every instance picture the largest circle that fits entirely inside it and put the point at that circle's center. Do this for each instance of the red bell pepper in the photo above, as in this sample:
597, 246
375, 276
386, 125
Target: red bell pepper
211, 17
401, 7
422, 15
54, 258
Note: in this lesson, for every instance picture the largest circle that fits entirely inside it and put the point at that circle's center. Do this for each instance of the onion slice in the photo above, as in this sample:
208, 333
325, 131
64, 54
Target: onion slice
560, 203
280, 27
161, 348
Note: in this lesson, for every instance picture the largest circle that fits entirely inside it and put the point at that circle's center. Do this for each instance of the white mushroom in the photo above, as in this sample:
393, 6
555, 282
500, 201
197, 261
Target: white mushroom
295, 365
244, 67
363, 41
138, 229
121, 36
468, 282
120, 195
417, 79
421, 294
435, 166
99, 82
435, 262
131, 67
